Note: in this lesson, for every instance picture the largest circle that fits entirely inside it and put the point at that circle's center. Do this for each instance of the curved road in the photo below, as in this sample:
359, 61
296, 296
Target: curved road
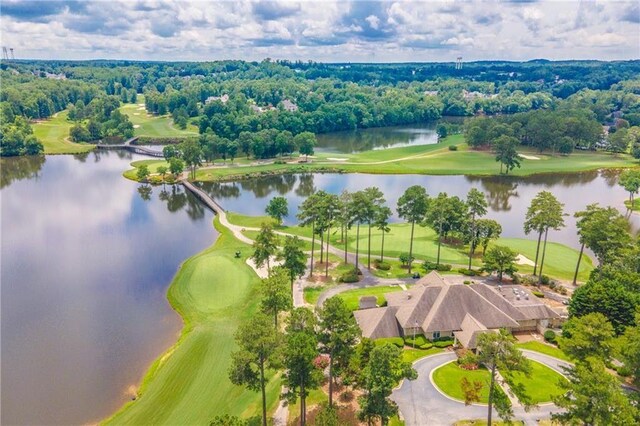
421, 404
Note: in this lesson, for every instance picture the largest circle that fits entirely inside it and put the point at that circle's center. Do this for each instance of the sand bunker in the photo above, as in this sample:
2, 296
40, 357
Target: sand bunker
337, 159
523, 260
135, 126
529, 157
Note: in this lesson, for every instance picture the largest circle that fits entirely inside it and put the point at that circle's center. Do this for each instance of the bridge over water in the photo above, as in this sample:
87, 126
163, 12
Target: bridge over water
142, 150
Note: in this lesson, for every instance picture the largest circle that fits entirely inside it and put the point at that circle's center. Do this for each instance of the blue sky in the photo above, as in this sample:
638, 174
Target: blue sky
328, 31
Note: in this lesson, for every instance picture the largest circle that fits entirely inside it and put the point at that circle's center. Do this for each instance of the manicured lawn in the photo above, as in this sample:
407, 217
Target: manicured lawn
54, 135
352, 297
213, 292
448, 378
412, 355
152, 125
249, 221
544, 348
559, 262
540, 386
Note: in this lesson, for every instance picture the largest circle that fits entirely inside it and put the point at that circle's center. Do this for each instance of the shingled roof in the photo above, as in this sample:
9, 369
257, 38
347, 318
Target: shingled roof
435, 304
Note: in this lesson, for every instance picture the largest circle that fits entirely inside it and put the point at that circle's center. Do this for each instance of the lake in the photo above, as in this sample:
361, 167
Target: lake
377, 138
87, 257
508, 197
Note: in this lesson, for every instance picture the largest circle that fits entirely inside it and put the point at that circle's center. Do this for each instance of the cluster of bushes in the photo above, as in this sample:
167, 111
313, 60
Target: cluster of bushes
397, 341
381, 265
430, 266
468, 272
550, 336
467, 360
537, 293
443, 342
420, 342
349, 277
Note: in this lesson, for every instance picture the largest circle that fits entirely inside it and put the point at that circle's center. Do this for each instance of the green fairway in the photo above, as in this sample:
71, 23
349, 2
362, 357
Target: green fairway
54, 135
213, 292
447, 378
434, 159
152, 125
540, 386
559, 262
249, 221
544, 348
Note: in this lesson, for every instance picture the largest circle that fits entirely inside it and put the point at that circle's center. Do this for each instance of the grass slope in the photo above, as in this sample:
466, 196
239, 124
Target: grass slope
54, 135
447, 378
152, 125
540, 386
213, 292
544, 348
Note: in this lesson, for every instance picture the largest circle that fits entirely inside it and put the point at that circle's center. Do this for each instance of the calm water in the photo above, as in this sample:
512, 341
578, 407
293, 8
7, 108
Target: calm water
509, 198
378, 138
87, 257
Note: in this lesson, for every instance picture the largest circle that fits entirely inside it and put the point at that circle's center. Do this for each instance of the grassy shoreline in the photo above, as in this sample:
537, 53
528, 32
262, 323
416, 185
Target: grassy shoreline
213, 292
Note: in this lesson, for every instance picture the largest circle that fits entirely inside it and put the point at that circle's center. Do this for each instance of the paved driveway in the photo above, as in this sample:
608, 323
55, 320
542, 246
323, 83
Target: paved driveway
421, 404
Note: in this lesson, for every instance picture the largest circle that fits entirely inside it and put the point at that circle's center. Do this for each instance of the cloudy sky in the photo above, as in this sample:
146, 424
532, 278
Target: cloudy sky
371, 31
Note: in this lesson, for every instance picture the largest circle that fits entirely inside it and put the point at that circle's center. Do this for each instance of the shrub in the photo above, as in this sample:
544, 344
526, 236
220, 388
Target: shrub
623, 370
405, 259
467, 282
444, 343
468, 272
467, 359
430, 266
426, 346
550, 336
155, 180
397, 341
419, 340
453, 147
544, 279
279, 162
537, 293
349, 277
383, 266
562, 290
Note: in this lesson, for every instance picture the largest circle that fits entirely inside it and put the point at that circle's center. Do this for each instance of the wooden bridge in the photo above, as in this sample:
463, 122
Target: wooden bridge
142, 150
205, 198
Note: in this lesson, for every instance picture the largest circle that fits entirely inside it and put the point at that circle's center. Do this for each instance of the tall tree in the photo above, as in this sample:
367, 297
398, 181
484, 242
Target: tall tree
276, 296
412, 206
294, 260
382, 224
192, 155
445, 214
258, 343
544, 213
339, 334
630, 181
477, 204
305, 142
374, 202
277, 209
497, 351
587, 336
308, 214
359, 213
630, 349
487, 230
265, 246
299, 352
505, 150
345, 218
380, 376
500, 259
593, 397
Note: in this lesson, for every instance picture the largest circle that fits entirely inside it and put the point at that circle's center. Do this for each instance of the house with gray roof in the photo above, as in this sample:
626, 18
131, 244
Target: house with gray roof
436, 307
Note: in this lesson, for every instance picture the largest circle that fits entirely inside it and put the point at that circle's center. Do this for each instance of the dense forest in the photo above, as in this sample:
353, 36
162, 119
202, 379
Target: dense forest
227, 98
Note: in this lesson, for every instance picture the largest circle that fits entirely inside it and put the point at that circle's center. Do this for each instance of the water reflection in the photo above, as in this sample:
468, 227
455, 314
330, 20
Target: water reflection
508, 197
86, 260
378, 138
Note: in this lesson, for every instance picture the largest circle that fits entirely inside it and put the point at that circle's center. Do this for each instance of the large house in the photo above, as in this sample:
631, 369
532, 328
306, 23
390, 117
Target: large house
437, 307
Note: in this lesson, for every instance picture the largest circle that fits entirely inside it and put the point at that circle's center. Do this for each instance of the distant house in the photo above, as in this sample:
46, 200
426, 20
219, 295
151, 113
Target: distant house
475, 95
223, 99
289, 106
438, 308
430, 93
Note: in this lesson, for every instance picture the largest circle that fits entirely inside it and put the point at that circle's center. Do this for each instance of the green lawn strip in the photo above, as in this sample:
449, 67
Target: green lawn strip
539, 387
315, 397
635, 206
54, 134
412, 355
447, 378
544, 348
559, 262
213, 292
249, 221
151, 164
352, 297
153, 125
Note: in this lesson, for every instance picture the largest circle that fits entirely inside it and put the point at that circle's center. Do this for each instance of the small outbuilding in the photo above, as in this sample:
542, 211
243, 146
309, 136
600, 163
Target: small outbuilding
368, 302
